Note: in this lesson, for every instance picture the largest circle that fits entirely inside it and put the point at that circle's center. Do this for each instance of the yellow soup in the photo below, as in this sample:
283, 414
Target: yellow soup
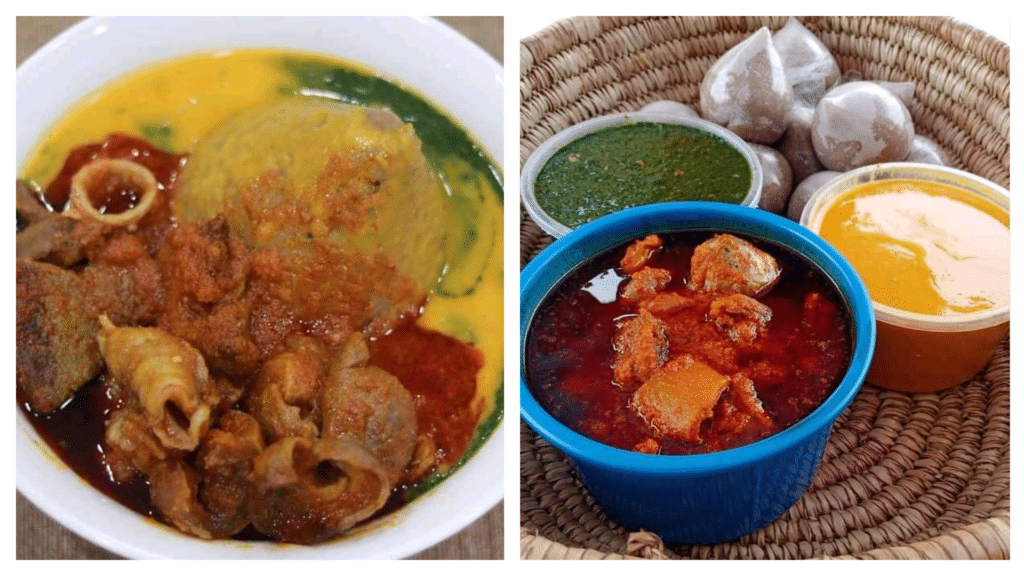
924, 247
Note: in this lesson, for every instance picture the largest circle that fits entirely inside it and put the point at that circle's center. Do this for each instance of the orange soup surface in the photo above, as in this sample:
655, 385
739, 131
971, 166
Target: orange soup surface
924, 247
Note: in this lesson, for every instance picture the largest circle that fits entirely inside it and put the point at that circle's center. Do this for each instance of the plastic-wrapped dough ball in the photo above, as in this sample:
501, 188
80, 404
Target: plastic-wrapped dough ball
860, 123
777, 179
670, 107
810, 67
804, 190
796, 143
747, 92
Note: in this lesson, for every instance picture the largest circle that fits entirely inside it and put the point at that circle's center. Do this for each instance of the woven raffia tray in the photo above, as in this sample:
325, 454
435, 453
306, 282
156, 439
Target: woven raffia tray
904, 475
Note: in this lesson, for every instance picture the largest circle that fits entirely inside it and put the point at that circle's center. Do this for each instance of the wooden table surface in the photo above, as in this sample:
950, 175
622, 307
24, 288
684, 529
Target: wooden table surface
39, 537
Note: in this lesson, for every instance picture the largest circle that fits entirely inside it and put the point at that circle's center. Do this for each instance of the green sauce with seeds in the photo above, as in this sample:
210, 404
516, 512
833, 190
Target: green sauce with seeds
639, 163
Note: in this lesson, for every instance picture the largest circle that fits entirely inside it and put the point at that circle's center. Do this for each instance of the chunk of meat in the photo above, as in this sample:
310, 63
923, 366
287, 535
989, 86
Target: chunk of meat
168, 377
235, 440
768, 373
740, 317
372, 407
207, 259
667, 303
173, 486
205, 267
130, 447
746, 398
740, 416
679, 397
225, 460
56, 336
306, 491
641, 347
638, 253
730, 264
51, 239
129, 295
29, 205
645, 283
284, 397
211, 503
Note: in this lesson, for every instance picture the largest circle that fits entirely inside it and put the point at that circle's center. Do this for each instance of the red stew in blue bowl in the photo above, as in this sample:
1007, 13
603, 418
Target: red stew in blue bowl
688, 342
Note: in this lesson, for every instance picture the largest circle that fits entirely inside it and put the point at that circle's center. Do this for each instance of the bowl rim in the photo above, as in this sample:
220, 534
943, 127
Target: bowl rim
832, 191
457, 105
609, 231
134, 536
548, 148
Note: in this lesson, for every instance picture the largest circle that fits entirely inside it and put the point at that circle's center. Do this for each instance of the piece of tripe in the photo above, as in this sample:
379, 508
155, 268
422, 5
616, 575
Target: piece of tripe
679, 397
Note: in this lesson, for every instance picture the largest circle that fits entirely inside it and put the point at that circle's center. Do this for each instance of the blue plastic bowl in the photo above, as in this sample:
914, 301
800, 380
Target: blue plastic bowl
703, 498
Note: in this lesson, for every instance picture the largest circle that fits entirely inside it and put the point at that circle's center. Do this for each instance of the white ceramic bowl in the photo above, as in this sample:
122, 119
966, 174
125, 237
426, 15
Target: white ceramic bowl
424, 54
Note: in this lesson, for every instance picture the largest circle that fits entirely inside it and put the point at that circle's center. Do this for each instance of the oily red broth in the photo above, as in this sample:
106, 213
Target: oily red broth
794, 365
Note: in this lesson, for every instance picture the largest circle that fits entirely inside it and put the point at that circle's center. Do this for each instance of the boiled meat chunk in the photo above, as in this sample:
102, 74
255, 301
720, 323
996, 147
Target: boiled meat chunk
679, 397
730, 264
740, 317
641, 346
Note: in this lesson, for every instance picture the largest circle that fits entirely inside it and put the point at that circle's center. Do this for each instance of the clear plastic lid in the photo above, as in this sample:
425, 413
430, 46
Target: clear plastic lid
822, 201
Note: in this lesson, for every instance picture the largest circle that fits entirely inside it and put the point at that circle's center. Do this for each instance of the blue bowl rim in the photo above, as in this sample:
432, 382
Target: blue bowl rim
594, 237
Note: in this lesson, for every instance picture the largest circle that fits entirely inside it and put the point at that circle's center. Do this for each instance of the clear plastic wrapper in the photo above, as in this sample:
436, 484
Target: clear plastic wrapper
860, 123
746, 90
810, 67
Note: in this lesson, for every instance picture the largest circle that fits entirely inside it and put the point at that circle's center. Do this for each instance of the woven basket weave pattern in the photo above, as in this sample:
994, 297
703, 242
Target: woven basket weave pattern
903, 476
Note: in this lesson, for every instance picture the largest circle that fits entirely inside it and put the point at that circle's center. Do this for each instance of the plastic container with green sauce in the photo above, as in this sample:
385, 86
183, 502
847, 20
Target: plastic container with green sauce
614, 162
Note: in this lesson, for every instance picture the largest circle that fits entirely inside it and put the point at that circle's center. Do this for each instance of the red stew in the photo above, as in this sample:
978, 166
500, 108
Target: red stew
794, 363
439, 371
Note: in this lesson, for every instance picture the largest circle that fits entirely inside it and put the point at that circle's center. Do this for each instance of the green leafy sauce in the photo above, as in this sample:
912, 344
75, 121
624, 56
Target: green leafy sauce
639, 163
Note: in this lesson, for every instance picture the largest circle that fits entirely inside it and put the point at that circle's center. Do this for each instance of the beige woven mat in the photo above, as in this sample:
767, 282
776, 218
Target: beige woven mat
904, 475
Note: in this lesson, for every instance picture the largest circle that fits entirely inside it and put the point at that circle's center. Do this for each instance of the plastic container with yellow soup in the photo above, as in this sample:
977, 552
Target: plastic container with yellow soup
932, 244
